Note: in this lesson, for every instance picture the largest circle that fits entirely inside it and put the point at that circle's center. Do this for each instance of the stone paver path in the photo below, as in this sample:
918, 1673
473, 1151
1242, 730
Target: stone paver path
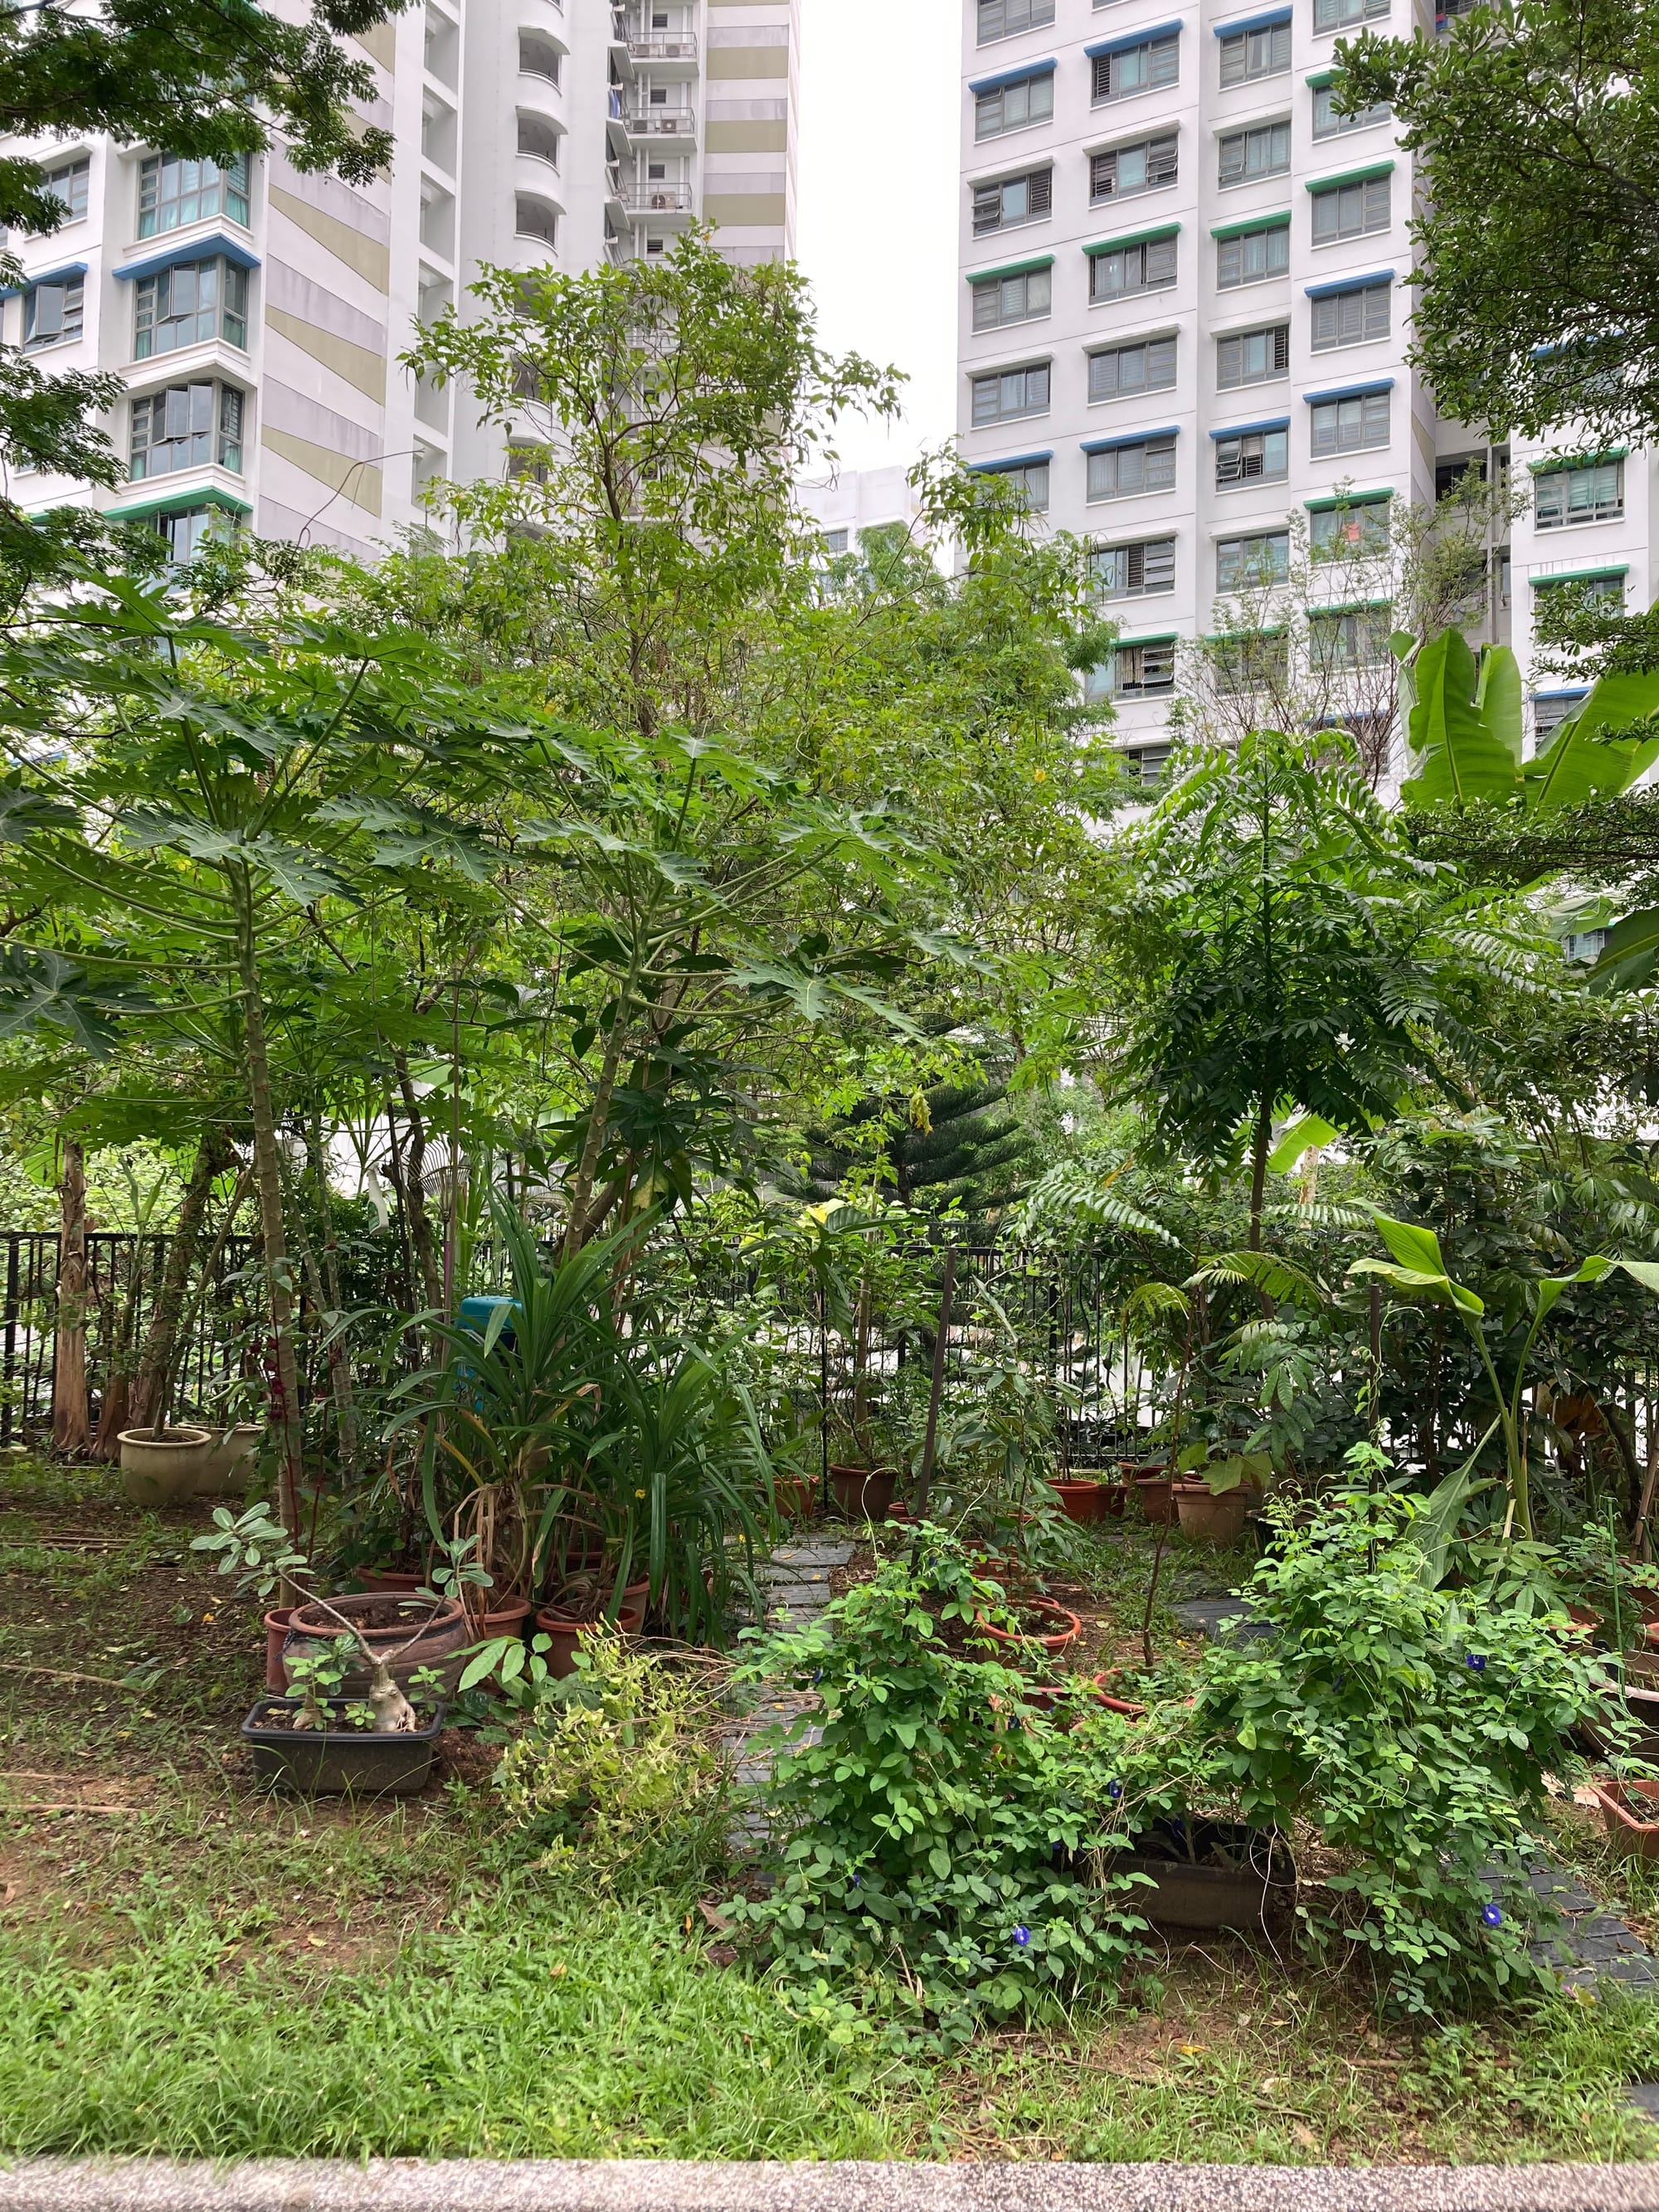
795, 1584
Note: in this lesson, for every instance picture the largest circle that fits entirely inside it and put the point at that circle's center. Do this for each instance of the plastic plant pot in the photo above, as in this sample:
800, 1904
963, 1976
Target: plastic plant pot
1629, 1813
1079, 1501
1207, 1517
1157, 1496
1064, 1628
337, 1762
1209, 1874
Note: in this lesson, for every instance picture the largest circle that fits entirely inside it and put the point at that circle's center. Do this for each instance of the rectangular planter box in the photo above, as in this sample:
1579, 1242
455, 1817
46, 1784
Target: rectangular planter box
1629, 1813
338, 1763
1185, 1895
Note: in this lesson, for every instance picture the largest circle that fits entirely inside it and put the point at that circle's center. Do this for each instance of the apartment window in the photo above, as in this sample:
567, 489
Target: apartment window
1344, 638
1349, 531
188, 303
1549, 709
1142, 68
52, 313
1012, 200
1135, 671
1125, 372
71, 182
187, 427
1337, 14
189, 528
1126, 170
1351, 210
1350, 425
538, 139
1120, 471
1350, 317
1247, 55
835, 542
1148, 267
1028, 481
1328, 124
174, 191
1594, 492
1011, 107
1606, 590
1252, 356
1264, 150
1253, 457
1249, 661
534, 218
1252, 257
1002, 19
541, 57
1011, 393
1020, 297
1450, 473
1133, 572
1263, 559
1146, 763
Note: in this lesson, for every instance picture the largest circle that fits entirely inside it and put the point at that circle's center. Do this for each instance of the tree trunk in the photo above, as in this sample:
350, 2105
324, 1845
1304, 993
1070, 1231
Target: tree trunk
71, 1429
1259, 1149
283, 1370
156, 1362
420, 1223
339, 1362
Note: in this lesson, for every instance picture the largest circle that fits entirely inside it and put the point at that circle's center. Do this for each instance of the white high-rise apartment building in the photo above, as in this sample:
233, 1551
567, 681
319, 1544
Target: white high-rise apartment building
1185, 314
257, 316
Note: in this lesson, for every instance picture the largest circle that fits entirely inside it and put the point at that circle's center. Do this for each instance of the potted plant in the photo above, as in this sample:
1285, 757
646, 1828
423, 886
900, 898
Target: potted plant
320, 1743
1213, 1500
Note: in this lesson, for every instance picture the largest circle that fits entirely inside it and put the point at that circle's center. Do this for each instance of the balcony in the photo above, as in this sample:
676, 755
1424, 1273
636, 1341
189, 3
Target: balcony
657, 124
640, 197
658, 46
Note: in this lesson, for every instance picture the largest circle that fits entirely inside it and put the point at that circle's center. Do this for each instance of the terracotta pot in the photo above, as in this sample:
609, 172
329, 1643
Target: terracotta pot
1066, 1631
795, 1496
564, 1634
381, 1579
1079, 1501
507, 1619
862, 1493
421, 1634
1207, 1518
1113, 1498
1629, 1813
1156, 1493
166, 1469
276, 1634
231, 1447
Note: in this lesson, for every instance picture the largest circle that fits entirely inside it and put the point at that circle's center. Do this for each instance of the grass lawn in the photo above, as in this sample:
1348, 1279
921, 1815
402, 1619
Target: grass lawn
194, 1968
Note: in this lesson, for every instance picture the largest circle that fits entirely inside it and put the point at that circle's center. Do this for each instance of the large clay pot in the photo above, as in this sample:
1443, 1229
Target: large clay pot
1080, 1501
862, 1493
564, 1634
231, 1447
382, 1579
276, 1623
1157, 1501
1064, 1627
1207, 1518
421, 1636
163, 1470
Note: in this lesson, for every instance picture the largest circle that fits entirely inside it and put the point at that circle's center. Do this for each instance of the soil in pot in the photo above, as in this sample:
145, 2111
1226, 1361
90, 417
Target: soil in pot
862, 1493
341, 1761
1050, 1627
1079, 1501
420, 1634
226, 1472
1207, 1518
166, 1469
1156, 1493
1209, 1874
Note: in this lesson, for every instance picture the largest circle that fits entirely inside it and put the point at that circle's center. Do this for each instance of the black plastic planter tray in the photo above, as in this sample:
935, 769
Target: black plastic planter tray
339, 1762
1186, 1893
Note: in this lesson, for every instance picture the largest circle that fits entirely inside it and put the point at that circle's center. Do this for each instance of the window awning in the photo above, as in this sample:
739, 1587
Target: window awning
1278, 219
1269, 21
59, 276
1351, 177
1251, 429
1013, 461
1129, 38
1128, 438
1329, 291
203, 247
1323, 504
1133, 238
1350, 391
1011, 269
1013, 77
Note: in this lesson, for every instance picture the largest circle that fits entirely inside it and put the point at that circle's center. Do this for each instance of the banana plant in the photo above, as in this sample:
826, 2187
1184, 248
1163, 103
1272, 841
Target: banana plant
1417, 1270
1466, 734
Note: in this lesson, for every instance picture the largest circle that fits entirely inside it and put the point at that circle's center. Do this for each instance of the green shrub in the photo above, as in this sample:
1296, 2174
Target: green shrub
931, 1836
622, 1770
1412, 1725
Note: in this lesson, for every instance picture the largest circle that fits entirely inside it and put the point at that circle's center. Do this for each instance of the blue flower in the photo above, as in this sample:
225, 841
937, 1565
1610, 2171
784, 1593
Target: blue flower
1492, 1915
1022, 1936
1475, 1659
1114, 1790
858, 1881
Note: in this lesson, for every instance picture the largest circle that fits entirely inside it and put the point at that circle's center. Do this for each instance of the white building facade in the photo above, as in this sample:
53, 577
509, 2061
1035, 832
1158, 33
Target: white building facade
257, 316
1185, 314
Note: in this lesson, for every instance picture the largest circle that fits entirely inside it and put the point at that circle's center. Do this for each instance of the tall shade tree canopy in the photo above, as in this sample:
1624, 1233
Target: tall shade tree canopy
1537, 126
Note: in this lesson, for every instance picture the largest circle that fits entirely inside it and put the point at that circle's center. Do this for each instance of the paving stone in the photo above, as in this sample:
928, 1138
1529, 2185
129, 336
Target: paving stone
1220, 1619
1644, 2096
831, 1552
1582, 1946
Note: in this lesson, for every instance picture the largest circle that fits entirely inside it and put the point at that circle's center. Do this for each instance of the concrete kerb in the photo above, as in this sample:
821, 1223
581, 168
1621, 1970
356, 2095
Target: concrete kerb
630, 2185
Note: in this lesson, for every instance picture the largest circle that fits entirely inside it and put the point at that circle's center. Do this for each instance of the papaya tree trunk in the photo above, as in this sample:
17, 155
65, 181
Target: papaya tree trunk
156, 1361
420, 1222
267, 1175
71, 1429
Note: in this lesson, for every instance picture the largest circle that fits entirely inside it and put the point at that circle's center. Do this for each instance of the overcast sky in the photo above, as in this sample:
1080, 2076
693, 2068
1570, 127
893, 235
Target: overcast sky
876, 231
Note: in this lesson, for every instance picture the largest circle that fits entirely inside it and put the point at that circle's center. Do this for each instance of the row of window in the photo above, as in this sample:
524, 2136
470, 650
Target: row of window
1339, 639
182, 305
1255, 151
1350, 207
1145, 568
1005, 19
1124, 372
172, 190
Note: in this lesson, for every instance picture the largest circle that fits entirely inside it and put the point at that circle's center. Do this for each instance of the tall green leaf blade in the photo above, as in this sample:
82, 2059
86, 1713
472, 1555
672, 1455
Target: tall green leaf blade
1458, 759
1501, 699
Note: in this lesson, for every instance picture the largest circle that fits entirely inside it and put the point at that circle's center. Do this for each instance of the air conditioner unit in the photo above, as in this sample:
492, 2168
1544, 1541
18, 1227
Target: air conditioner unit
661, 200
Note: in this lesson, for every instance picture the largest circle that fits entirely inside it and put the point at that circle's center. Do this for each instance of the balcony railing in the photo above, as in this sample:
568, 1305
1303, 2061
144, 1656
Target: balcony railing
657, 199
662, 45
661, 122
